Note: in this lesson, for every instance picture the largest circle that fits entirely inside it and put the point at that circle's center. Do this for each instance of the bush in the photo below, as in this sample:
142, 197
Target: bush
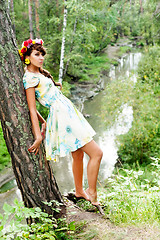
149, 66
142, 140
13, 226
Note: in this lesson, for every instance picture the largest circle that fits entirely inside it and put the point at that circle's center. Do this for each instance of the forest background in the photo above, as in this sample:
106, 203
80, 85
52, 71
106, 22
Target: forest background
91, 27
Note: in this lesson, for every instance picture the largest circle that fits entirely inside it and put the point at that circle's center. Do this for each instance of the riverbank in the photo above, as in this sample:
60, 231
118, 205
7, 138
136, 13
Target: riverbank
84, 90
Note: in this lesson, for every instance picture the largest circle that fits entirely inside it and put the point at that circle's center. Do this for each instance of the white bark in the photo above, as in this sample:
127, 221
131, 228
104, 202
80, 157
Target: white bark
63, 45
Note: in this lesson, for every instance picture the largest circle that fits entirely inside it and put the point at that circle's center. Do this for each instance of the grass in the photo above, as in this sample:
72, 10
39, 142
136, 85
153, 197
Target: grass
123, 50
94, 65
131, 197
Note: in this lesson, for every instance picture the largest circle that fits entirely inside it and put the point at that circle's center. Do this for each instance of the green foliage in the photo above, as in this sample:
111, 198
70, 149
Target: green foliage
132, 196
91, 26
142, 140
149, 66
12, 224
4, 155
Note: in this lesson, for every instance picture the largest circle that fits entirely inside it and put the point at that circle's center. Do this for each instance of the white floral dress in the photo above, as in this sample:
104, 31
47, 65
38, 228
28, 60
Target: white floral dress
67, 129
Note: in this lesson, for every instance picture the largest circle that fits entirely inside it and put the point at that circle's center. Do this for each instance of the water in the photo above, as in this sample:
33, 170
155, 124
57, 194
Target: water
106, 138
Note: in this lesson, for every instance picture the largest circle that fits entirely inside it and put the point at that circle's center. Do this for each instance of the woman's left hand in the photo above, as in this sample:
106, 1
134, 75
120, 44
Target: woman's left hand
43, 130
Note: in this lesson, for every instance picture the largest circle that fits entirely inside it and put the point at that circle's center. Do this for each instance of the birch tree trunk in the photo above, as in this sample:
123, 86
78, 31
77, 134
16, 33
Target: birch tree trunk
11, 11
71, 48
30, 19
63, 44
37, 17
33, 173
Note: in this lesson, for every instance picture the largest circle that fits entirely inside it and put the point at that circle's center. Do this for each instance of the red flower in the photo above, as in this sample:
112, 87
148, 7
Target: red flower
25, 43
41, 42
29, 41
22, 58
23, 50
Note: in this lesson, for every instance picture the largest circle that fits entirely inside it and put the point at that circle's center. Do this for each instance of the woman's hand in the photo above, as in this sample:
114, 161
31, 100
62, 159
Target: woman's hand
36, 145
43, 130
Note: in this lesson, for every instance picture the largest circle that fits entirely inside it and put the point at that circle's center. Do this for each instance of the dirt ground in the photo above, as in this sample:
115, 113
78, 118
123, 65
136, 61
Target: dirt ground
95, 226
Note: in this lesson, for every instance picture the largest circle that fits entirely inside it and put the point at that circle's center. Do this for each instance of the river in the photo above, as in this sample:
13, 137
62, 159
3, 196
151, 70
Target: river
105, 137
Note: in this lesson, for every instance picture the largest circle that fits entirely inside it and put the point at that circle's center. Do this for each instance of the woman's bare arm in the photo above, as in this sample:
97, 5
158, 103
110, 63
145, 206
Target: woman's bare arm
30, 94
44, 124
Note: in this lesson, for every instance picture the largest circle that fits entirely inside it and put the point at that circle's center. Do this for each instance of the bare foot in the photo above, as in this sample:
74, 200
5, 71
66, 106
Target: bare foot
92, 197
82, 194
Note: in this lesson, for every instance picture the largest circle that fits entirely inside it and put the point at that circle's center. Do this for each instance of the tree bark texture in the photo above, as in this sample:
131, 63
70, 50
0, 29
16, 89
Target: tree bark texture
33, 173
30, 19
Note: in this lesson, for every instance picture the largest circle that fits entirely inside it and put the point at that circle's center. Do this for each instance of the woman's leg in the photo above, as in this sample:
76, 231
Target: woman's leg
77, 167
95, 154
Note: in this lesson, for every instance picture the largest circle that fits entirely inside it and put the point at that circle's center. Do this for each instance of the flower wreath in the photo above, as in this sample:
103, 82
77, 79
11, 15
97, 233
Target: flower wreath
27, 44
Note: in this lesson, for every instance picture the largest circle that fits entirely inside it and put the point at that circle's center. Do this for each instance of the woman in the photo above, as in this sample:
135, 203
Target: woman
66, 129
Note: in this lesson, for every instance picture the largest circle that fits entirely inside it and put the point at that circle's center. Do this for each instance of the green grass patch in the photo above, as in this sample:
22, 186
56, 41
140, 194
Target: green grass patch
124, 49
94, 66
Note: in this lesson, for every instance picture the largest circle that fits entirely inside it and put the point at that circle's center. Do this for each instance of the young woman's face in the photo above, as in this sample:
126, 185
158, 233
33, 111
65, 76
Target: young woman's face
36, 58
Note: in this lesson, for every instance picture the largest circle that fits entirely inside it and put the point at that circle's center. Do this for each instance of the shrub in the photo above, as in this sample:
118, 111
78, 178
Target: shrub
149, 66
13, 226
142, 140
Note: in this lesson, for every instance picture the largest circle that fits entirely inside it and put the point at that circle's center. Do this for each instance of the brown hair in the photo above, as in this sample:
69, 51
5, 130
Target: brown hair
42, 50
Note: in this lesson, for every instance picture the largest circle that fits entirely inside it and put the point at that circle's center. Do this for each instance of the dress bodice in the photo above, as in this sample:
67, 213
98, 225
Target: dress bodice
45, 90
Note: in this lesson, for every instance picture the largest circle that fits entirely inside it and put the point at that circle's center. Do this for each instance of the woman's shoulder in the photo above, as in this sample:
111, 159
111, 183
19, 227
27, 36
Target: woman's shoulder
31, 74
31, 79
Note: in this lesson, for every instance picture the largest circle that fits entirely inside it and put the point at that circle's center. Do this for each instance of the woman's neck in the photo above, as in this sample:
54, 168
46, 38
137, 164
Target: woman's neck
33, 69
